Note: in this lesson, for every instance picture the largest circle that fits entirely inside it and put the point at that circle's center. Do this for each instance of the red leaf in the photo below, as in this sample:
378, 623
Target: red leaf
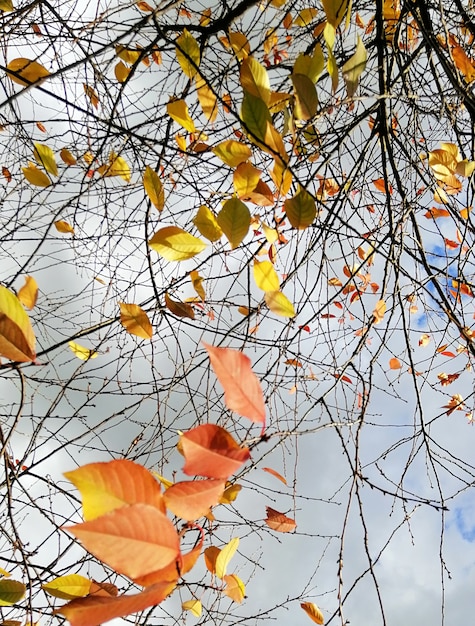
134, 540
210, 451
279, 522
94, 610
192, 499
242, 389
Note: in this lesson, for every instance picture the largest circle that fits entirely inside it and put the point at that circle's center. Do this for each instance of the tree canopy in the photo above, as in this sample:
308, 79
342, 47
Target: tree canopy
236, 310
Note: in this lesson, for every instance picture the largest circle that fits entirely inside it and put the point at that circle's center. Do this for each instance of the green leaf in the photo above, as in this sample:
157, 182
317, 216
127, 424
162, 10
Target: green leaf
354, 67
254, 117
254, 79
300, 209
234, 220
175, 244
188, 53
11, 592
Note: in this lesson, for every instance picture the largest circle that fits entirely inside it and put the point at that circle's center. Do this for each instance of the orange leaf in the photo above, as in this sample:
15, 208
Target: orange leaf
382, 185
28, 293
379, 311
242, 389
395, 364
279, 522
192, 499
235, 588
108, 486
269, 470
135, 320
95, 610
134, 540
210, 451
313, 612
434, 213
211, 554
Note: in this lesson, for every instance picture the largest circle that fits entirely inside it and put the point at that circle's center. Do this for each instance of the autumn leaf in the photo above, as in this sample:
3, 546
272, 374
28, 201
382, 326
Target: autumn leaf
63, 227
35, 176
17, 340
224, 557
279, 304
175, 244
235, 588
134, 540
154, 188
207, 224
26, 72
300, 209
28, 293
11, 591
81, 352
271, 471
313, 612
135, 320
354, 67
265, 276
197, 282
232, 152
379, 311
92, 95
180, 309
279, 522
395, 364
210, 451
234, 220
68, 587
105, 487
188, 53
67, 157
254, 79
178, 111
45, 157
192, 499
242, 389
194, 606
95, 610
207, 99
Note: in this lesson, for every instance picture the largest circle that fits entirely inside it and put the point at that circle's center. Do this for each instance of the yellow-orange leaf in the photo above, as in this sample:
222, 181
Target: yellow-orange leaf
235, 588
254, 79
232, 152
17, 340
26, 72
35, 176
379, 311
194, 606
67, 157
135, 320
271, 471
92, 95
197, 282
245, 179
134, 540
175, 244
279, 522
230, 494
63, 227
207, 99
192, 499
313, 612
395, 364
28, 294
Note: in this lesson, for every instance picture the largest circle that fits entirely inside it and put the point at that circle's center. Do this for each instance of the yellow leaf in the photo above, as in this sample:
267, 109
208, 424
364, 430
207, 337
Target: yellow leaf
188, 53
6, 5
67, 157
35, 176
81, 352
128, 55
197, 281
354, 67
270, 233
207, 224
194, 606
207, 99
265, 276
45, 157
154, 188
274, 144
28, 294
465, 168
225, 556
163, 481
310, 66
300, 209
92, 95
379, 311
254, 117
279, 304
121, 72
234, 220
335, 11
117, 166
3, 572
245, 179
306, 97
175, 244
135, 320
254, 79
68, 587
235, 588
305, 17
178, 111
17, 340
230, 494
63, 227
240, 45
313, 612
26, 72
282, 177
233, 153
